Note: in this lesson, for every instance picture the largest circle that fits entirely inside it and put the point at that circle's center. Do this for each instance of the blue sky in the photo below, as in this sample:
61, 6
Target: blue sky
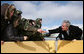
52, 12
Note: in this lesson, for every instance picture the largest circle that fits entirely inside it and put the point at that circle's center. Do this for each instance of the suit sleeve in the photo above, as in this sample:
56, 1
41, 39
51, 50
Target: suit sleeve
58, 30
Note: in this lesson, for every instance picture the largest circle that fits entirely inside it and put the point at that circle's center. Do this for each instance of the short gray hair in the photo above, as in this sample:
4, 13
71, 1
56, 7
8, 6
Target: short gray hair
67, 22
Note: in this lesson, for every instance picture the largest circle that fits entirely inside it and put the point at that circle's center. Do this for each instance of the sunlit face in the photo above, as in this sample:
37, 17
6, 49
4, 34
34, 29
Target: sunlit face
64, 27
12, 11
40, 21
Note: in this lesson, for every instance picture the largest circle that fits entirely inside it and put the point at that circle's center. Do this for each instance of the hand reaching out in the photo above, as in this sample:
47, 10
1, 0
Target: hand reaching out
41, 31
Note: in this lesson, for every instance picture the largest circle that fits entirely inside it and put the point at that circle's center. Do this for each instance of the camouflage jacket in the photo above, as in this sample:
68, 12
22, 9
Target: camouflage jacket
30, 30
25, 27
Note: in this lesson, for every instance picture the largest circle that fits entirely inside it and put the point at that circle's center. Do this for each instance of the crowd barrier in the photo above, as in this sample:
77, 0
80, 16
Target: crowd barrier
70, 46
43, 47
28, 47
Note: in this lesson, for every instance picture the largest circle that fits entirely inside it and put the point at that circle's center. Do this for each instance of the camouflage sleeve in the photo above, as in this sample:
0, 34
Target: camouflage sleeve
25, 26
38, 26
32, 28
28, 27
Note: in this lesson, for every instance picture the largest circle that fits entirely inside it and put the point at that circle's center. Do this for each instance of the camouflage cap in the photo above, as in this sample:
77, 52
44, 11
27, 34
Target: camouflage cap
30, 20
38, 19
19, 12
23, 19
16, 15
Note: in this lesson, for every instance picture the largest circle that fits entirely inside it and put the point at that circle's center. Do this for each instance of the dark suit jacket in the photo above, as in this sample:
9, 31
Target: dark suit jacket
11, 34
74, 33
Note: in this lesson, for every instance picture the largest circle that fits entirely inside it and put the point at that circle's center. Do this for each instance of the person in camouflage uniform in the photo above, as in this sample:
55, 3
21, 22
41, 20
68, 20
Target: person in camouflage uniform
11, 32
5, 19
28, 28
8, 14
24, 24
38, 23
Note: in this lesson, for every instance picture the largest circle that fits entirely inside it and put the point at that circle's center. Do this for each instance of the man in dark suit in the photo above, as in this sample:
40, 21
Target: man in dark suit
70, 32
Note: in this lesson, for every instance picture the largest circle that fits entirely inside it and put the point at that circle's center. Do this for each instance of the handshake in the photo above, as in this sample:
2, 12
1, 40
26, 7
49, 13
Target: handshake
41, 31
45, 33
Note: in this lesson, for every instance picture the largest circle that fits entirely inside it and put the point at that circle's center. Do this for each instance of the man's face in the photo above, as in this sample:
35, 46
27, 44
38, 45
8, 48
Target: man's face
64, 27
12, 9
40, 21
11, 13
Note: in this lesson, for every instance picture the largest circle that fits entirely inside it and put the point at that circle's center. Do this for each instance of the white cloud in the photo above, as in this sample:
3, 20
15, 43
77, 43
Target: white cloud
50, 11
